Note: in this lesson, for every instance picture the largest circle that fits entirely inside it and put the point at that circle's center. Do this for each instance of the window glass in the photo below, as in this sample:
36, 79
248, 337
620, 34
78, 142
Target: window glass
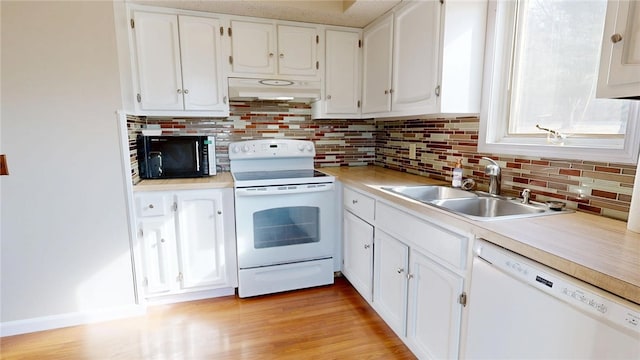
556, 63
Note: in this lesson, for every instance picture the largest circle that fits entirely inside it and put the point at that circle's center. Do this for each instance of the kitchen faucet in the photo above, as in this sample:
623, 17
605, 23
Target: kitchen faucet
495, 174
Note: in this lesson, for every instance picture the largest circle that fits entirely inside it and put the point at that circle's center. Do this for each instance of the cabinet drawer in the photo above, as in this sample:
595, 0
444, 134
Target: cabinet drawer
361, 205
151, 205
444, 245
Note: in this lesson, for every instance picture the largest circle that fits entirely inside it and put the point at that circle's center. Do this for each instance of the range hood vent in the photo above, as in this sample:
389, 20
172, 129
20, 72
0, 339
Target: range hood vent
302, 91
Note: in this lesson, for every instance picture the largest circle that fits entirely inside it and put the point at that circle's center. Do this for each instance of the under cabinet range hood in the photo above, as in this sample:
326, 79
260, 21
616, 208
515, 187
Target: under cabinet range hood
302, 91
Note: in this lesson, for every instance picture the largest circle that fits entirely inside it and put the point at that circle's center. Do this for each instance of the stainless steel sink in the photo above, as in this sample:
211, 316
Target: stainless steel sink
428, 193
486, 208
474, 205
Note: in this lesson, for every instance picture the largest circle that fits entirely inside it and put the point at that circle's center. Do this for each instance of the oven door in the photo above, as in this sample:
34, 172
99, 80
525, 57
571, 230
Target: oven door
284, 224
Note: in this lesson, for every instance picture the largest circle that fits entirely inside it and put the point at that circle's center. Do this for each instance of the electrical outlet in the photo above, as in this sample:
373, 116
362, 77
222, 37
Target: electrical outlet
412, 151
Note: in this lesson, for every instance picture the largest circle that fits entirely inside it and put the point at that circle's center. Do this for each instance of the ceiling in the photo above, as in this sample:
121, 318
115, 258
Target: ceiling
354, 13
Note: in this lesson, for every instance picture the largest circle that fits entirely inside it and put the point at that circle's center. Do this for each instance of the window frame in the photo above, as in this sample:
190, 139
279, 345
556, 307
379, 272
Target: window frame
493, 136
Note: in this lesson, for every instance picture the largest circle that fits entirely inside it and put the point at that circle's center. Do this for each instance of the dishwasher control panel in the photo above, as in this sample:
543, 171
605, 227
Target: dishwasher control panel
585, 297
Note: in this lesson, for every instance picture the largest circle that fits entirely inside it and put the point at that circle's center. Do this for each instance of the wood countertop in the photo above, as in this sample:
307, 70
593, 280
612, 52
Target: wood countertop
221, 180
594, 249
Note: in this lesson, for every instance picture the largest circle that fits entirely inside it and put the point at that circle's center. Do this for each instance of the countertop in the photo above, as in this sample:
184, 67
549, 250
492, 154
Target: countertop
220, 180
594, 249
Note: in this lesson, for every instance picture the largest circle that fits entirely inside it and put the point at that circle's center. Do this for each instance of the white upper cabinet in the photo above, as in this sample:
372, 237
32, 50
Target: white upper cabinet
416, 40
619, 75
267, 48
424, 58
298, 50
376, 67
342, 80
178, 64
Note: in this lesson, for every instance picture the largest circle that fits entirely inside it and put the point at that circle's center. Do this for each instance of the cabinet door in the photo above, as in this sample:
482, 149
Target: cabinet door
253, 47
619, 74
434, 314
158, 55
157, 247
201, 69
390, 281
342, 72
416, 52
377, 67
358, 254
297, 50
201, 252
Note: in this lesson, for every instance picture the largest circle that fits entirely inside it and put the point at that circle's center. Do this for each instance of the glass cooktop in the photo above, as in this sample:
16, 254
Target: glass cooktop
278, 174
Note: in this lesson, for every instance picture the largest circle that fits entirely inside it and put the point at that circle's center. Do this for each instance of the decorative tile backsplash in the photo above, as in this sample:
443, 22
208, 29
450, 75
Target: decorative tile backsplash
593, 187
338, 142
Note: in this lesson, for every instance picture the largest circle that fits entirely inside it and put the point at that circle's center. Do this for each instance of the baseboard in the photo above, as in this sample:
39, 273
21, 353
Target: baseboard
17, 327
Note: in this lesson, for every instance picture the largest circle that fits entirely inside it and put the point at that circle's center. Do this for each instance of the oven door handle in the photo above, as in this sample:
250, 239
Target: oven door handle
284, 189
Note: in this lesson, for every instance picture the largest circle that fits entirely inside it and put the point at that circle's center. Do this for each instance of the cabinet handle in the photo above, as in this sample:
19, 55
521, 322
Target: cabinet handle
400, 270
366, 246
616, 38
150, 206
354, 202
186, 91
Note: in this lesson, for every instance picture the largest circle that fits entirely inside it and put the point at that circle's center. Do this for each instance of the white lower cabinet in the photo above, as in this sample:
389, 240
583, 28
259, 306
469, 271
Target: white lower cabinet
434, 311
358, 254
390, 281
185, 241
418, 271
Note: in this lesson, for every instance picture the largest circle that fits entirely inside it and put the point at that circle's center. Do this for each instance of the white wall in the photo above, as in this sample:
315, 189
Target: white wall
64, 243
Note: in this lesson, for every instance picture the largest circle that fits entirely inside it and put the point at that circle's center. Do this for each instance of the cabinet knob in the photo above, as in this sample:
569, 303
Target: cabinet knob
366, 246
162, 240
186, 91
354, 202
270, 55
281, 56
179, 91
386, 92
328, 97
150, 206
224, 100
219, 212
616, 38
400, 270
409, 276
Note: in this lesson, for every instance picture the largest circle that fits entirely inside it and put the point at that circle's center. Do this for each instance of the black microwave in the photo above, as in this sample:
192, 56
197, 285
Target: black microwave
167, 157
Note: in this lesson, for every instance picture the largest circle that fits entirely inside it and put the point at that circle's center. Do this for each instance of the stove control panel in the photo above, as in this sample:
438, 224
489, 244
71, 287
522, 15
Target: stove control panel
273, 148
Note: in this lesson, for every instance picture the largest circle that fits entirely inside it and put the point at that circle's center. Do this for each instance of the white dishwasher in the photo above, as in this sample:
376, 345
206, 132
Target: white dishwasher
520, 309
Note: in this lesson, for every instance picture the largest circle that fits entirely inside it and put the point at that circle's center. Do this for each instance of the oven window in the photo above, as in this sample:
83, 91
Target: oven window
286, 226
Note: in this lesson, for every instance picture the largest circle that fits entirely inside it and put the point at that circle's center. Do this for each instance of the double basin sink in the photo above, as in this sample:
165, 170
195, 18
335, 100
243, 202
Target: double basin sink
474, 205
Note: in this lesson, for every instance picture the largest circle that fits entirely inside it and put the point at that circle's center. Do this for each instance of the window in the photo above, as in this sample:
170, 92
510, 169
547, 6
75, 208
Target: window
540, 84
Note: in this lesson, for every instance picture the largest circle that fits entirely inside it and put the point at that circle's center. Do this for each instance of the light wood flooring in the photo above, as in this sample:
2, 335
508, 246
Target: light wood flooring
329, 322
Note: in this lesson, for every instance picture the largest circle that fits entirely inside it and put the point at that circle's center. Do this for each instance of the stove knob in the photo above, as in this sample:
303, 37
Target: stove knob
235, 149
245, 148
309, 147
301, 147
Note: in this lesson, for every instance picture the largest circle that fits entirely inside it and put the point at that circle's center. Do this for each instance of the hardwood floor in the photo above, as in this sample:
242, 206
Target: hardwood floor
330, 322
